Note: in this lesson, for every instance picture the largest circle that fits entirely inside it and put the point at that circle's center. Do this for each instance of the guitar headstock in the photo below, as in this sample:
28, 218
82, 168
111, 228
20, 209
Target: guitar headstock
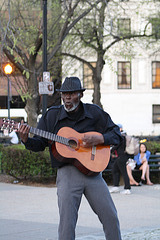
8, 124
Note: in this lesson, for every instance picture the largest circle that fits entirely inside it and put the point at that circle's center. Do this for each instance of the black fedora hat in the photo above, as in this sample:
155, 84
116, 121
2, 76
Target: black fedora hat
71, 84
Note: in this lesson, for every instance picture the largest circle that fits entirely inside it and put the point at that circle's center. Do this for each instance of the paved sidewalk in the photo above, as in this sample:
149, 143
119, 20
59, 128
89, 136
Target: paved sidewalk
31, 213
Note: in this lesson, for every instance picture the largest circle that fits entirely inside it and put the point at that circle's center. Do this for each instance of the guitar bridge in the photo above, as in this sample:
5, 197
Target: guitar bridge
93, 153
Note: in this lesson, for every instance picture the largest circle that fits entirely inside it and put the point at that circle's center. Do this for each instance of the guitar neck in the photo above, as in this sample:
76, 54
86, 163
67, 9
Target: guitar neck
50, 136
10, 125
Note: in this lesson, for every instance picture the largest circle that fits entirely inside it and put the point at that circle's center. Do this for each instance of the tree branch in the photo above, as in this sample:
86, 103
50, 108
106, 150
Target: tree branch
79, 59
67, 26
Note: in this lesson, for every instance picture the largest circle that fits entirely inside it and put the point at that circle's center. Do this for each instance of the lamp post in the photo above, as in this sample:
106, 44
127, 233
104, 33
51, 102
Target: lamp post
44, 101
8, 70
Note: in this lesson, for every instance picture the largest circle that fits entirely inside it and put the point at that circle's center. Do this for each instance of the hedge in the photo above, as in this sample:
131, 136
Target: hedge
24, 164
153, 146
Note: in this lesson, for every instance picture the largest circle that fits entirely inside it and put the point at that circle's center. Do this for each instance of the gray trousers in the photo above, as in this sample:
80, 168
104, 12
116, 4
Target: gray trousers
71, 184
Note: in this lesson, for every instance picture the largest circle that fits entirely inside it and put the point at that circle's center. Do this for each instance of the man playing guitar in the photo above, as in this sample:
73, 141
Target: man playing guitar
80, 153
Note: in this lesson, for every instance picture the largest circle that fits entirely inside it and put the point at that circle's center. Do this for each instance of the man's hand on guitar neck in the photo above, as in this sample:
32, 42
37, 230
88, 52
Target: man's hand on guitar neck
23, 132
92, 140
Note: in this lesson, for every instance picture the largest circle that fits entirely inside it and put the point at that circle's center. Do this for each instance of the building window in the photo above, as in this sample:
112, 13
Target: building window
124, 75
124, 26
16, 102
3, 102
155, 27
87, 76
155, 74
156, 113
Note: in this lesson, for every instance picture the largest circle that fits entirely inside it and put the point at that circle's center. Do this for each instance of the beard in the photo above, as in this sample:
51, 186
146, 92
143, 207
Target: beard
75, 105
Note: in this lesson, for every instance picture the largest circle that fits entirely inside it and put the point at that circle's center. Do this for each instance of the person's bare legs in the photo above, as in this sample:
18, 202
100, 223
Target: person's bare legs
144, 169
131, 179
147, 177
145, 173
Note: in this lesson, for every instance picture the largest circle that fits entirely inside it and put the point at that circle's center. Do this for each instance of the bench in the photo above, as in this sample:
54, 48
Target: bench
154, 167
154, 163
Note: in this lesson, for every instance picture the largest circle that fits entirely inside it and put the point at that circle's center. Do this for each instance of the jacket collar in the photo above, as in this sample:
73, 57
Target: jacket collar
85, 114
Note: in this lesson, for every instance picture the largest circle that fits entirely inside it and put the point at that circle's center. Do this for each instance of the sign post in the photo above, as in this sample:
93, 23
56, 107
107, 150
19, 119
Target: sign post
46, 87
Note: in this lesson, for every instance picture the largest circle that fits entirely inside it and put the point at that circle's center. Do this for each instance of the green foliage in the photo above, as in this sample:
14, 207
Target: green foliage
25, 96
26, 73
32, 50
24, 164
153, 146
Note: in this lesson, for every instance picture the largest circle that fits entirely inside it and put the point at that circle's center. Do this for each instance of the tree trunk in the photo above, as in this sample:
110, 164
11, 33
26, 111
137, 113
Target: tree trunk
33, 98
97, 80
96, 93
31, 109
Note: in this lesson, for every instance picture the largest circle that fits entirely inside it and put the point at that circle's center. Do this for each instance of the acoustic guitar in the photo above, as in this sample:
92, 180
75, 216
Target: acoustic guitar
67, 147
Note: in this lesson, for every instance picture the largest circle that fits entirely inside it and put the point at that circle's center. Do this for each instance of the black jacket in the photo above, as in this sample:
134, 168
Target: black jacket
91, 118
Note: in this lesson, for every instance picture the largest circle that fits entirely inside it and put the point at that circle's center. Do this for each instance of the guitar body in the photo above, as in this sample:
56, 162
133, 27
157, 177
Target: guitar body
90, 160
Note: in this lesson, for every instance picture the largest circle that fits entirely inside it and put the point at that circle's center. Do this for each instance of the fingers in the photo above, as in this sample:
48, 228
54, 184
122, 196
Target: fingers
92, 140
23, 132
84, 144
24, 128
86, 140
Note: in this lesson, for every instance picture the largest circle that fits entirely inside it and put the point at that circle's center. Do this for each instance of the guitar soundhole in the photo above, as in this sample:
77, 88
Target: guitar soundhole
73, 144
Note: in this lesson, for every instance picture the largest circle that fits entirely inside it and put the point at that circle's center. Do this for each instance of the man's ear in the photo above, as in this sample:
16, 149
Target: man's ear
81, 95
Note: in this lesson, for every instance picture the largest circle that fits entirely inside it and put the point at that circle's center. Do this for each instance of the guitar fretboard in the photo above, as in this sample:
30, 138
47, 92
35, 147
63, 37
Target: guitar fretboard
49, 136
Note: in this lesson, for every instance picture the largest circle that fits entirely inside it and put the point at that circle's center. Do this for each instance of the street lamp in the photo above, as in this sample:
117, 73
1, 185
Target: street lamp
44, 102
8, 70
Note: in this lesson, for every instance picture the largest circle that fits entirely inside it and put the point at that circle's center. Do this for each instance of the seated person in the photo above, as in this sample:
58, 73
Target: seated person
142, 164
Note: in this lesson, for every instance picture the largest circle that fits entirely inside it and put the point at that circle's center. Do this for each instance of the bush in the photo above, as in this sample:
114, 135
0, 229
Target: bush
24, 164
153, 146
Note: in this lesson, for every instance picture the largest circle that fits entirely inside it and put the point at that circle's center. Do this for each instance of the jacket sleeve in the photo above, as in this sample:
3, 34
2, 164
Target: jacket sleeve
37, 143
148, 153
112, 135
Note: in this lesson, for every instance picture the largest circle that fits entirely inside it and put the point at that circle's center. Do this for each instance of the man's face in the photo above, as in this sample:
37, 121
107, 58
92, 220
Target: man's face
71, 100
